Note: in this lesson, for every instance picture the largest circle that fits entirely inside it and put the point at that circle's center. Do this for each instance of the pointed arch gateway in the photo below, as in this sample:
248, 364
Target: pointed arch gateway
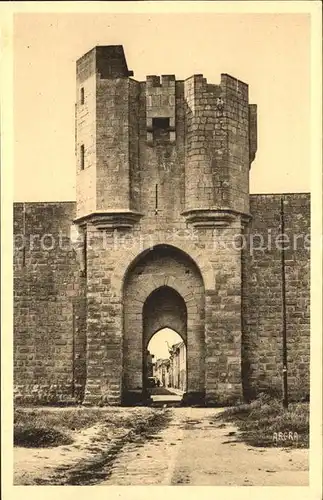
163, 288
163, 308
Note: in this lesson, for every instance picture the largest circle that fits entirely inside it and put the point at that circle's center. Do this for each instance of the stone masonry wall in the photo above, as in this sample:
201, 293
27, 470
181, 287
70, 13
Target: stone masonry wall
236, 109
164, 308
297, 271
103, 130
49, 325
262, 296
108, 269
217, 144
85, 135
161, 168
112, 136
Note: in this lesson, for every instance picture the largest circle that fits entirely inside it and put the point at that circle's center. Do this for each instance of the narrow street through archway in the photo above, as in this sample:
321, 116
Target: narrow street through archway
165, 367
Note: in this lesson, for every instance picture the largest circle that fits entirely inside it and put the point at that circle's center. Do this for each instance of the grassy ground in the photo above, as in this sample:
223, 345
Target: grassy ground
40, 427
264, 422
47, 428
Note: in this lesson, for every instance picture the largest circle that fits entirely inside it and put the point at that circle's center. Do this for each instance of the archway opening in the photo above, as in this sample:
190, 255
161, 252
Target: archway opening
165, 366
163, 288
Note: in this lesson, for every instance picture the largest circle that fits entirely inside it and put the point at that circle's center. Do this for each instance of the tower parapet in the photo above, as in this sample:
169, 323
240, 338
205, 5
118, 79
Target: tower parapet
161, 108
218, 153
133, 138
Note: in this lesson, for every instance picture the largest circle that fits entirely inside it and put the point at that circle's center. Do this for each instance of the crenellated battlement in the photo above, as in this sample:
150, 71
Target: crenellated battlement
163, 81
136, 140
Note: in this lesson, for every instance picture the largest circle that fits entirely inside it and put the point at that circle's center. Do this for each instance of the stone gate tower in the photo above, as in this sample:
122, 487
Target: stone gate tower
162, 198
163, 234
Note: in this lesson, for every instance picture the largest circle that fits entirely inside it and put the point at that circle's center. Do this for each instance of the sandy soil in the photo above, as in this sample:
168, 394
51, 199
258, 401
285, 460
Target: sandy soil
33, 464
40, 465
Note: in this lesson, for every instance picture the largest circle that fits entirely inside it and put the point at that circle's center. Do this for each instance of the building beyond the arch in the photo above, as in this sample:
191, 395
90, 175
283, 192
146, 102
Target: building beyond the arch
163, 217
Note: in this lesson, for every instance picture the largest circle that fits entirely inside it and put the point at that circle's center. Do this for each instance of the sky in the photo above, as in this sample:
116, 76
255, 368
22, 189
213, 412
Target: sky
270, 52
158, 343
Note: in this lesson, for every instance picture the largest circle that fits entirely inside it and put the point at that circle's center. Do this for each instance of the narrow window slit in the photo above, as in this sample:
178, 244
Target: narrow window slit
82, 157
156, 199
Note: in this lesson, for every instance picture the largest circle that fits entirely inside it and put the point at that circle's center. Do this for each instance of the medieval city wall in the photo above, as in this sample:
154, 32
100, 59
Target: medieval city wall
50, 306
262, 300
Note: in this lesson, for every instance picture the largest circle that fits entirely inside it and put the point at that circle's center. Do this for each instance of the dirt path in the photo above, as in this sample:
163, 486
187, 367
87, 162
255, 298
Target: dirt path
186, 447
192, 450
